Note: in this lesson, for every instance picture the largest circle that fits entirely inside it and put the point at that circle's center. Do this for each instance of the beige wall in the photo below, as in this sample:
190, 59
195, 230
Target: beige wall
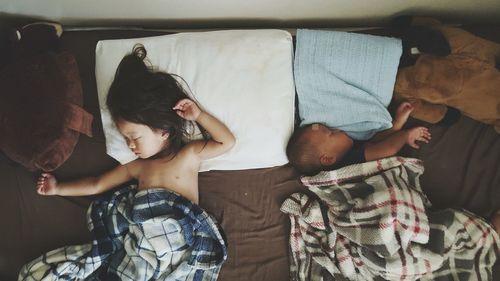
249, 12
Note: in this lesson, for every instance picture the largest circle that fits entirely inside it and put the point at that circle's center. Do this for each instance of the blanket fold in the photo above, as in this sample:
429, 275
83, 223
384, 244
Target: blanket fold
151, 234
371, 221
345, 80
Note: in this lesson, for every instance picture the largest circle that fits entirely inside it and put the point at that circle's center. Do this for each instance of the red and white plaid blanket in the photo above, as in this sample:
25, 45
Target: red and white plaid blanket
371, 221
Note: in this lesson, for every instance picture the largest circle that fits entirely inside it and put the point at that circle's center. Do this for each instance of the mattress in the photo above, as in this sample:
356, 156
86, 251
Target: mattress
462, 169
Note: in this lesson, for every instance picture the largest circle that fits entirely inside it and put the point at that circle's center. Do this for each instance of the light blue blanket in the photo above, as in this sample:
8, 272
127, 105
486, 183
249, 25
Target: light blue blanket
345, 80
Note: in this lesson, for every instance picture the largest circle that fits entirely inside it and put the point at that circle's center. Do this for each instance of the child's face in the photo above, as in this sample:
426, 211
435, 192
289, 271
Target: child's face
331, 143
141, 139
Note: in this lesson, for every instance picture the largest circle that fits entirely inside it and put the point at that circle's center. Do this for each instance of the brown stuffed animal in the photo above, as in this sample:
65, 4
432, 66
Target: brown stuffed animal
41, 116
460, 75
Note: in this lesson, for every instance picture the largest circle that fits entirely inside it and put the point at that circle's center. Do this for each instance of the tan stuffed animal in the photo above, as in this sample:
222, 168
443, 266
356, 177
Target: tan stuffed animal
466, 78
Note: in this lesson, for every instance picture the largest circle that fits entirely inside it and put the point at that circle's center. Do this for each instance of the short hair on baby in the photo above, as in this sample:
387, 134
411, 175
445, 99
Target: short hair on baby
302, 154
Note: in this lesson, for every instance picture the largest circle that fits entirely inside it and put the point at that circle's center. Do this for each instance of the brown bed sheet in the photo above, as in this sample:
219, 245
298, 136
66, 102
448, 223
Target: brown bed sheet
462, 165
247, 204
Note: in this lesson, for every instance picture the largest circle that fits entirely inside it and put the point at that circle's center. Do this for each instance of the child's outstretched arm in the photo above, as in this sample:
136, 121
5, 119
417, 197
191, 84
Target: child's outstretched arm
221, 140
392, 144
47, 184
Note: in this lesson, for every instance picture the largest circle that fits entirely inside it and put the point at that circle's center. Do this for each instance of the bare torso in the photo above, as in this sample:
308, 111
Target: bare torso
178, 174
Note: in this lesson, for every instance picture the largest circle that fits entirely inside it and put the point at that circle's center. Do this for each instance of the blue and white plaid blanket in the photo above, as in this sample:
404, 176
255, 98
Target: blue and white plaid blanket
152, 234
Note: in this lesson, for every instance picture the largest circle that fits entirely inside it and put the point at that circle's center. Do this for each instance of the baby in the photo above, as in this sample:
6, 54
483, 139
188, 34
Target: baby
316, 147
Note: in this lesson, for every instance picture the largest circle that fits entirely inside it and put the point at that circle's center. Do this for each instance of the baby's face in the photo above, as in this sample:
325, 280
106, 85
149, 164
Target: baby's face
141, 139
330, 142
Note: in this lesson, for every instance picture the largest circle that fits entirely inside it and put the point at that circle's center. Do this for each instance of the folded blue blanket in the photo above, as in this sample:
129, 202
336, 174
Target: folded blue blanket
151, 234
345, 80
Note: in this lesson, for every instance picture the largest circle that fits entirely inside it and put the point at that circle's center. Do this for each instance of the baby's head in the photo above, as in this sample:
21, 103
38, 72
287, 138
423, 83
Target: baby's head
315, 147
140, 102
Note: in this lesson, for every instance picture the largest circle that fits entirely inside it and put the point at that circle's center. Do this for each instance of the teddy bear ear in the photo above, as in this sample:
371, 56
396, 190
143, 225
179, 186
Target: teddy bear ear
36, 38
418, 35
427, 40
45, 25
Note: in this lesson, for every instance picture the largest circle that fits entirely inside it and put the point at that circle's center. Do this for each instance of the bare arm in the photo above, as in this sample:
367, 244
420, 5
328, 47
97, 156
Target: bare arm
392, 144
221, 140
48, 185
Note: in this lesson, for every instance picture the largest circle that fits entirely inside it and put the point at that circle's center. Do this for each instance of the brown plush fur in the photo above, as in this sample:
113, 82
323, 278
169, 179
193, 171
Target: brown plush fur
41, 116
467, 80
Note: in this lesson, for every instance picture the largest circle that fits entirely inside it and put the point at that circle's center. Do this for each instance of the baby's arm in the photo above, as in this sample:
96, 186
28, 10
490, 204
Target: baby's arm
392, 144
402, 114
48, 185
221, 140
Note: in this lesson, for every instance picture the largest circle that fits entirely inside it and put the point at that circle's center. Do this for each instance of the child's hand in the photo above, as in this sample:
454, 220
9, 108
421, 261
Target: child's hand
187, 109
418, 134
46, 185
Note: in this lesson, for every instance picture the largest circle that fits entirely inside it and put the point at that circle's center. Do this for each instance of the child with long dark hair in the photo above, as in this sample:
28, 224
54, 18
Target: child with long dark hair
151, 110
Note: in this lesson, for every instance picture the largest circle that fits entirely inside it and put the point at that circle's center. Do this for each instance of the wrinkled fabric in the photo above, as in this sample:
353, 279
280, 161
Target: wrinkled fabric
151, 234
371, 221
345, 80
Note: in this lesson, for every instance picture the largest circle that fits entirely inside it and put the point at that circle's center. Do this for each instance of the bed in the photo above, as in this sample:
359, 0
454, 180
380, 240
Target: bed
462, 170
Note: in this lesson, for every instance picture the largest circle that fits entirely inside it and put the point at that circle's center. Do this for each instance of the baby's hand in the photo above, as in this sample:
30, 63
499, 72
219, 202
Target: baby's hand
46, 185
418, 134
187, 109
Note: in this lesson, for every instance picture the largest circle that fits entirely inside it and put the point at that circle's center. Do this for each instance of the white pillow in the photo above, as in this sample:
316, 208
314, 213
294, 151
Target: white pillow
242, 77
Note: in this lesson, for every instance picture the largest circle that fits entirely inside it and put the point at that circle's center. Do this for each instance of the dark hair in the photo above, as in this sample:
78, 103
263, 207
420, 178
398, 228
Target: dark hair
140, 95
302, 154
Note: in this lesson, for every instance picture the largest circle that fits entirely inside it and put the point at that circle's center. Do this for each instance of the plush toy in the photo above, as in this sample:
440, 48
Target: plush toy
446, 70
40, 99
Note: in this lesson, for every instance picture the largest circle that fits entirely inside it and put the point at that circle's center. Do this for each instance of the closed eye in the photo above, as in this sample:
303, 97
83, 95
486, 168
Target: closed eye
131, 139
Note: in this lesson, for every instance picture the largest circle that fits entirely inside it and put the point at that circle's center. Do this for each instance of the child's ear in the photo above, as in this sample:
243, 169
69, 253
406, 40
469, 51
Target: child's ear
326, 160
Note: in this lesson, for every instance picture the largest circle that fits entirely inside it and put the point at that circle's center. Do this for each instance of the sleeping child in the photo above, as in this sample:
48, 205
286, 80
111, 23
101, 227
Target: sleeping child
150, 110
152, 230
316, 147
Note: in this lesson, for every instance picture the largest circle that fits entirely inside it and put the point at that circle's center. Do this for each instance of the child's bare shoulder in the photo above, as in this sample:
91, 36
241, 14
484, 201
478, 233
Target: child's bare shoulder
135, 167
